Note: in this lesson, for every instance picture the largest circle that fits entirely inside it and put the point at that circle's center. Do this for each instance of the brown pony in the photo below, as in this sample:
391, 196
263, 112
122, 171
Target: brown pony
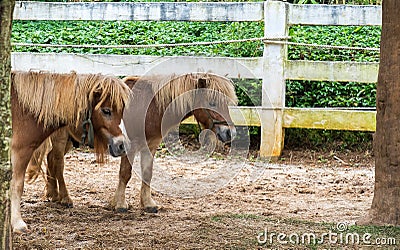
158, 104
42, 103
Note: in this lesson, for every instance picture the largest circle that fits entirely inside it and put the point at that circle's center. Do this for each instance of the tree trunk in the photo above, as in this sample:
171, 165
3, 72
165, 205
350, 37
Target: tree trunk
6, 12
385, 209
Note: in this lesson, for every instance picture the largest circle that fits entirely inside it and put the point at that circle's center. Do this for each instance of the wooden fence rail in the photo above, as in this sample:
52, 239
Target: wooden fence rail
273, 68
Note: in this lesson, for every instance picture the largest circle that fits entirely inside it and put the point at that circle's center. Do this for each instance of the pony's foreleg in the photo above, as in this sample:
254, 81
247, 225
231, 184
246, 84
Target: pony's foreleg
64, 197
20, 156
146, 163
55, 161
125, 174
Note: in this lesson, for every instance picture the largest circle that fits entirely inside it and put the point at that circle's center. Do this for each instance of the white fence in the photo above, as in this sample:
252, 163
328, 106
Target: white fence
273, 68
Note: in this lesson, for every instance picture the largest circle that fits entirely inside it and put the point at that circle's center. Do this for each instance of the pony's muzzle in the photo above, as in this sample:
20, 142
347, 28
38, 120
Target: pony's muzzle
225, 133
118, 146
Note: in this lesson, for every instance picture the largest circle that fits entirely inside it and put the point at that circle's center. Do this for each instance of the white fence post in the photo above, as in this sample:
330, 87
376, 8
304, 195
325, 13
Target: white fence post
273, 85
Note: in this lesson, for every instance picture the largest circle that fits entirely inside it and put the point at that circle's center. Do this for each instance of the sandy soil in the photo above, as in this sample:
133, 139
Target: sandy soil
304, 190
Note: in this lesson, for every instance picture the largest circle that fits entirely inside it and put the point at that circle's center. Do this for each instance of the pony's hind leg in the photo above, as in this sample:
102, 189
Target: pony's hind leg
146, 163
125, 174
35, 165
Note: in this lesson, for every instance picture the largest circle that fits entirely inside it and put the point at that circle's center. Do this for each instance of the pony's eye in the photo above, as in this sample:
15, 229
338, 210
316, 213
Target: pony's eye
106, 111
213, 104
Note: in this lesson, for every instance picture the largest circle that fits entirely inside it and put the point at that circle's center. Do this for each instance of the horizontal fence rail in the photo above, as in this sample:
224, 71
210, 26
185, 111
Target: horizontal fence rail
139, 11
316, 118
123, 65
321, 14
273, 68
331, 118
250, 68
304, 14
365, 72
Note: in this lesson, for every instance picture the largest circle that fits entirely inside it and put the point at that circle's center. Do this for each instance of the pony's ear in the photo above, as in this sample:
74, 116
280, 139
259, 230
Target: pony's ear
202, 83
130, 81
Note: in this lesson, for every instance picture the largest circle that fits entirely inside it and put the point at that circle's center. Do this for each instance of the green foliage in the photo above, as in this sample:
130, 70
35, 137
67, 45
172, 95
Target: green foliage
355, 36
128, 32
335, 140
248, 92
330, 94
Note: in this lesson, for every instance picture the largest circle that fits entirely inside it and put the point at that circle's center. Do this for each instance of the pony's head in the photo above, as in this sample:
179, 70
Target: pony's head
207, 96
212, 99
57, 100
106, 104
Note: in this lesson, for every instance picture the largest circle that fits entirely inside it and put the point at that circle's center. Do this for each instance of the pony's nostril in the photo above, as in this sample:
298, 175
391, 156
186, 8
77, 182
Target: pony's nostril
228, 135
121, 147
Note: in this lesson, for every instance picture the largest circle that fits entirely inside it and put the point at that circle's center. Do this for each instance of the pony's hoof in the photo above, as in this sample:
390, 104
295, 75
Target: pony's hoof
21, 231
152, 210
66, 202
21, 228
51, 198
121, 210
67, 205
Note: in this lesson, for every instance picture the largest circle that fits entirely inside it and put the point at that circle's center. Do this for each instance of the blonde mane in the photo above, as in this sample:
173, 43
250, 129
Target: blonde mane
63, 99
168, 89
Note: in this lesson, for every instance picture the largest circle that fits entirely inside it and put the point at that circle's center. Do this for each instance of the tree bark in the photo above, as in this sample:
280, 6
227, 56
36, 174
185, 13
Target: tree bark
385, 209
6, 14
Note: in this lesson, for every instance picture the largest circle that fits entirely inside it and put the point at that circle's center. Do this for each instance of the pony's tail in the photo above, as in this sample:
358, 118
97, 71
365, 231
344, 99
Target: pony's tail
35, 164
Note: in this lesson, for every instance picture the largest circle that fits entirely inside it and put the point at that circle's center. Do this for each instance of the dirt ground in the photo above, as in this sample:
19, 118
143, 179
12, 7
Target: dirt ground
303, 191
